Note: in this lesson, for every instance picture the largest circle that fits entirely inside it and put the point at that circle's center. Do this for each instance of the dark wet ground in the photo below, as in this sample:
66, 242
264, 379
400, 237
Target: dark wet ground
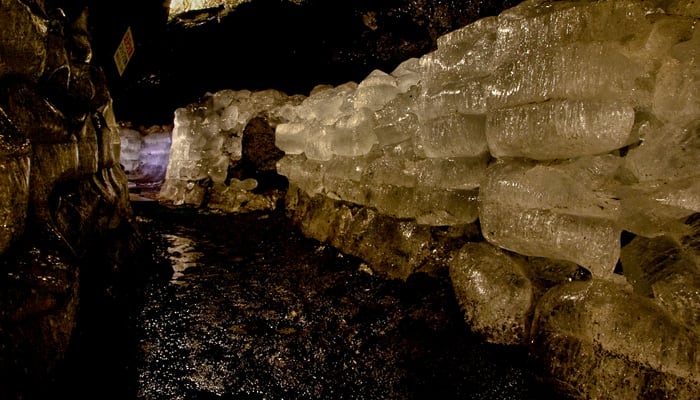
256, 311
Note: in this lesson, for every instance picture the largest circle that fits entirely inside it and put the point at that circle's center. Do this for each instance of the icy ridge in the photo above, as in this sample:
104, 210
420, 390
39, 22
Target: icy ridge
555, 83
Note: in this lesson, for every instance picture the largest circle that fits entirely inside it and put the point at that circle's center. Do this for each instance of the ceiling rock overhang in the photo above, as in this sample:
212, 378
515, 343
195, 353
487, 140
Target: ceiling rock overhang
288, 45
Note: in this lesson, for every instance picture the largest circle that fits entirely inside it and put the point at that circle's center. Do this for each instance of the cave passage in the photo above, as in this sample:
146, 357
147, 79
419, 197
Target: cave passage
251, 309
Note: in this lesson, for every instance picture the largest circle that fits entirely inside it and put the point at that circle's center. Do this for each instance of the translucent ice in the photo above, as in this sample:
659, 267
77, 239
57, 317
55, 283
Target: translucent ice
494, 292
353, 135
465, 52
559, 129
155, 152
407, 74
306, 174
669, 153
578, 70
144, 156
130, 149
291, 137
425, 205
389, 170
537, 24
343, 179
453, 135
207, 136
327, 103
542, 211
661, 268
677, 90
436, 173
451, 173
445, 207
444, 97
655, 208
377, 89
396, 121
229, 117
319, 143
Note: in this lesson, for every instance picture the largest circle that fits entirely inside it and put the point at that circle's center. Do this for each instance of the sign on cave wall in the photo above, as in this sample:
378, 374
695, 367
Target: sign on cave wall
124, 51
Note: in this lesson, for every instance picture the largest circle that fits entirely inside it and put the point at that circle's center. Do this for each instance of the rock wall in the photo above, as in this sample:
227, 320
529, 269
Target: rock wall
62, 191
306, 42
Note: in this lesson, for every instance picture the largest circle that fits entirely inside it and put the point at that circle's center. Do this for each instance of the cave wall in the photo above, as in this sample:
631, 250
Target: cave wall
65, 218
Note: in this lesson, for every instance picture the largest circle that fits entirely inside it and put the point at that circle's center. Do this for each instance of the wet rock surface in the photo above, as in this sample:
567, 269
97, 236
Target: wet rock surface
255, 310
64, 208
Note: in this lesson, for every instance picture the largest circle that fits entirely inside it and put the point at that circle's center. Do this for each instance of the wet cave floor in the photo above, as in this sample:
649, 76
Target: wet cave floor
253, 310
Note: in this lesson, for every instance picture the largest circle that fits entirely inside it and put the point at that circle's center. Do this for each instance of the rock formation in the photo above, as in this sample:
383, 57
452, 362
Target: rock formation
65, 218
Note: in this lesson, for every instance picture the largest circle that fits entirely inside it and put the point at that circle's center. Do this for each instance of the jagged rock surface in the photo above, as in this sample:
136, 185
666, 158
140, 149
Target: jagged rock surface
62, 191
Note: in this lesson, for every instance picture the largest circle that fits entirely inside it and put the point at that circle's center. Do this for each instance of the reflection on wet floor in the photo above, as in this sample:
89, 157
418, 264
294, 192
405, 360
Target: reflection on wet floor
256, 311
181, 254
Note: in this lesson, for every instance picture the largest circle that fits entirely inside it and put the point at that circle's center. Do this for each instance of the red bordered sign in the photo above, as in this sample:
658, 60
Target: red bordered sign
124, 51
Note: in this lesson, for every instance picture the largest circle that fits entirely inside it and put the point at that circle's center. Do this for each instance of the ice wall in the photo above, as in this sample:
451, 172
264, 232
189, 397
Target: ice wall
207, 141
557, 129
556, 125
144, 155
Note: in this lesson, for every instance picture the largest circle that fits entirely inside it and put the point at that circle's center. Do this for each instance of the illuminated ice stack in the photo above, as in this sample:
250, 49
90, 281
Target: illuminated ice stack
544, 82
366, 143
130, 149
556, 129
543, 85
557, 211
207, 139
144, 155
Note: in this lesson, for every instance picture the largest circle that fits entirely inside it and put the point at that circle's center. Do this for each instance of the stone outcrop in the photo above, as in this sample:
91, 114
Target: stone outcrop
62, 191
604, 342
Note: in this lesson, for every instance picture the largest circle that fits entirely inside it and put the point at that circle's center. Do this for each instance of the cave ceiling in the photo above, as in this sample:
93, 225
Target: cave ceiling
289, 45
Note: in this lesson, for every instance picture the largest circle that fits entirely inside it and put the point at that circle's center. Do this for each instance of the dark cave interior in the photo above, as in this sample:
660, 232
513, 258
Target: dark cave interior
262, 44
